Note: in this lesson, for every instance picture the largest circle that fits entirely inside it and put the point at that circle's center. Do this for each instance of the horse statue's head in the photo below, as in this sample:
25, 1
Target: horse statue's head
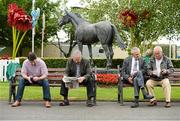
65, 19
68, 17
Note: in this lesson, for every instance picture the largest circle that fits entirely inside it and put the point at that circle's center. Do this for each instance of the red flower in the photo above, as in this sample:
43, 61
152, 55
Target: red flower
145, 14
12, 8
23, 22
128, 17
5, 57
107, 78
17, 17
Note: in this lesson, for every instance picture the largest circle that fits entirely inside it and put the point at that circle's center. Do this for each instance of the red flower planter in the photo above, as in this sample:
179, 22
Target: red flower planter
107, 78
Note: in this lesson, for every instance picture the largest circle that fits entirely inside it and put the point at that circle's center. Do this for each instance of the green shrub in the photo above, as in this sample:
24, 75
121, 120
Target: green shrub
176, 63
100, 63
61, 62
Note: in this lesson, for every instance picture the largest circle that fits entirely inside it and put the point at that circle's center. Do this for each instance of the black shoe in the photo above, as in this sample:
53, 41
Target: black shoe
64, 103
135, 105
90, 102
145, 94
148, 96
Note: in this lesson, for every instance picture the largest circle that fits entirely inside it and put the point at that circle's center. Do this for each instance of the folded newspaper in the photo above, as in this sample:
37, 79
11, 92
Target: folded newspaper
71, 82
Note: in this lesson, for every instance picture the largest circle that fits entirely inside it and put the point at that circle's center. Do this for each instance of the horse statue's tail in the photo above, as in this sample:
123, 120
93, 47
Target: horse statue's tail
118, 38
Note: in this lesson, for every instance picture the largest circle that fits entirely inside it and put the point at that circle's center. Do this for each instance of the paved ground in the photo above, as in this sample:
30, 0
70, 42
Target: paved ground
78, 111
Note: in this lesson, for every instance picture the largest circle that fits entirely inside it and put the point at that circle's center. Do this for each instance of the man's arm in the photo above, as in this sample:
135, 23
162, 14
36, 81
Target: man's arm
42, 77
150, 68
88, 72
169, 69
24, 72
123, 70
67, 70
144, 66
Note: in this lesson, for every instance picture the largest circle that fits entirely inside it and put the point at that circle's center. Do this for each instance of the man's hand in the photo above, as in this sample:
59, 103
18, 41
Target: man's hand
130, 80
29, 79
150, 73
164, 71
134, 73
35, 78
81, 79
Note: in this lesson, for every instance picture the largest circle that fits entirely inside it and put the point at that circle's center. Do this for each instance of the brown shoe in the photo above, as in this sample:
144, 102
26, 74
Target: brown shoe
167, 105
47, 104
16, 104
153, 103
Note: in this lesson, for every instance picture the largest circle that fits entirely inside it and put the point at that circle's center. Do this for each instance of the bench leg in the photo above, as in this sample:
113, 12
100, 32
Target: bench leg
10, 92
14, 93
95, 88
120, 92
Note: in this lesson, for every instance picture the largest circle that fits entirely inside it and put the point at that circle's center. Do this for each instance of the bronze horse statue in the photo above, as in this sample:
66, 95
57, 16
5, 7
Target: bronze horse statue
87, 34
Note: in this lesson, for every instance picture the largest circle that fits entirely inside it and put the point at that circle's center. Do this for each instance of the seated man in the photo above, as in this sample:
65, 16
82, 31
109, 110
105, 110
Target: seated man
80, 68
34, 71
132, 72
158, 69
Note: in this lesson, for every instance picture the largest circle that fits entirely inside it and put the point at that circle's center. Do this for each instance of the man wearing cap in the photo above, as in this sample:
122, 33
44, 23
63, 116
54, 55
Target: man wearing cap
34, 71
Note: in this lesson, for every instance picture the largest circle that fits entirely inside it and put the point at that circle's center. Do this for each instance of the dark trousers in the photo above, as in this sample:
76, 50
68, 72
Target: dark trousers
89, 86
45, 86
138, 82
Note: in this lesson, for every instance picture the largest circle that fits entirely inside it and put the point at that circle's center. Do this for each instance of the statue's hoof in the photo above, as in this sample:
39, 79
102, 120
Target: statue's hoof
108, 66
92, 64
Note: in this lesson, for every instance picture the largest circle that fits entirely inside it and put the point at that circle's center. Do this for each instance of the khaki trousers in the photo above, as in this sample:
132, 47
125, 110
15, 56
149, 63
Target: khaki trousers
165, 85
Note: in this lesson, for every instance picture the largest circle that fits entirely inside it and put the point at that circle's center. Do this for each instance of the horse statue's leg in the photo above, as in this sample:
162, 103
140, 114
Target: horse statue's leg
111, 53
90, 54
107, 52
80, 46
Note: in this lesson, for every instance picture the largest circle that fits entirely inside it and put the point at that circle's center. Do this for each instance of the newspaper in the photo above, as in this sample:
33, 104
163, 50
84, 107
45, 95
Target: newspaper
71, 82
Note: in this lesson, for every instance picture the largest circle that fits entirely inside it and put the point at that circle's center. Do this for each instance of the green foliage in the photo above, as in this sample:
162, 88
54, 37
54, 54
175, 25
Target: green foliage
176, 63
56, 63
163, 20
100, 63
61, 63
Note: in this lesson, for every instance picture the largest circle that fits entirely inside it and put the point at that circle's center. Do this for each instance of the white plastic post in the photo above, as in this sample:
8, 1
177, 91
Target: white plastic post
43, 28
33, 29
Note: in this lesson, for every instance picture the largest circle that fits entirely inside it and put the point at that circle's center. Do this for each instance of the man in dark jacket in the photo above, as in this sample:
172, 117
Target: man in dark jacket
80, 68
133, 69
159, 68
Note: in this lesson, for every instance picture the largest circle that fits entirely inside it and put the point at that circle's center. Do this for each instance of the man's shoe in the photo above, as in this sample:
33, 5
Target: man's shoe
16, 104
90, 102
148, 96
153, 103
167, 105
47, 104
145, 94
64, 103
135, 105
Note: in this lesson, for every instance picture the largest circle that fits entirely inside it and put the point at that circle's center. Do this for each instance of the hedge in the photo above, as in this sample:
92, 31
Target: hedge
100, 63
61, 62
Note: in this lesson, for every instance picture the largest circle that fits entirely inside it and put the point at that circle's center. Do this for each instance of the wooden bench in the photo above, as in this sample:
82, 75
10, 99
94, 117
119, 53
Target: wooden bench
55, 76
174, 80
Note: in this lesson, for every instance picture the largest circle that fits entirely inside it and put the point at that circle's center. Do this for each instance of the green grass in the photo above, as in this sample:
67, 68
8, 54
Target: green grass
110, 94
